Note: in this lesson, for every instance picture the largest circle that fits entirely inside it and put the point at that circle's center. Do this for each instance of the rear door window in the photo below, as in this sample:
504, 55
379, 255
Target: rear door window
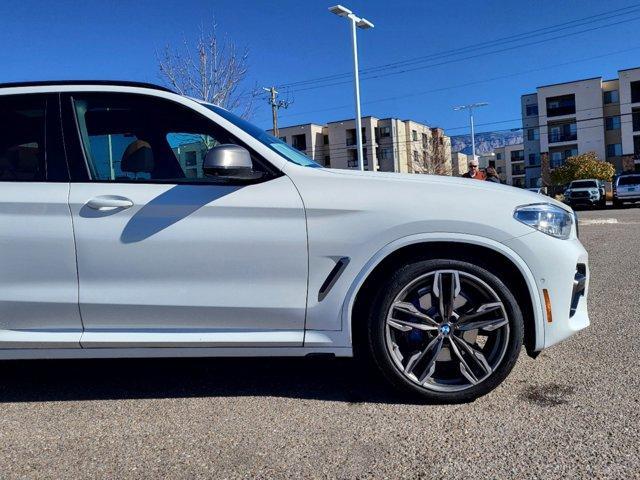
22, 138
629, 180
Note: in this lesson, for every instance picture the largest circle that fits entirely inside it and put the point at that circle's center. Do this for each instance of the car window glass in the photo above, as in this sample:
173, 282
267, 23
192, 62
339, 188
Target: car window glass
134, 138
630, 180
22, 138
190, 150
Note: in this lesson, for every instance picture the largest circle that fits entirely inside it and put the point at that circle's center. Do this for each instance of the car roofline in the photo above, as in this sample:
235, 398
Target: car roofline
59, 83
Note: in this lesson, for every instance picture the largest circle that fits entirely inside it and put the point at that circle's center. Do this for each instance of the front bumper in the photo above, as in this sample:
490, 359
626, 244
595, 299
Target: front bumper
561, 268
584, 201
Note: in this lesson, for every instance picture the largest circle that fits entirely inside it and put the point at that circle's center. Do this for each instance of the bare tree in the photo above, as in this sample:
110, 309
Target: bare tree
438, 160
211, 69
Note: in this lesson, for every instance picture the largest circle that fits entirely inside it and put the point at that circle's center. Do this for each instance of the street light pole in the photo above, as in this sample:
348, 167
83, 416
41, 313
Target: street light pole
356, 22
470, 107
356, 88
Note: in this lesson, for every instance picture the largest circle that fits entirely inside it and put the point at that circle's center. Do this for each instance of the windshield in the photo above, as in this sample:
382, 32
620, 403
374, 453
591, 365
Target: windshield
584, 184
629, 180
293, 155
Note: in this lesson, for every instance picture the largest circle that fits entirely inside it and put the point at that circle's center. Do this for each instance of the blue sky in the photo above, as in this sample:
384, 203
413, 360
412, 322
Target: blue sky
292, 41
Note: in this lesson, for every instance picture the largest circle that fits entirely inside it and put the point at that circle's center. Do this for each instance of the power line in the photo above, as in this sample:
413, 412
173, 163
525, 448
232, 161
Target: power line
517, 37
476, 82
453, 60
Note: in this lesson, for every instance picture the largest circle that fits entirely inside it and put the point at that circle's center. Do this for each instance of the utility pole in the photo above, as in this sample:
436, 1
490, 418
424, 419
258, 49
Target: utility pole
275, 106
470, 107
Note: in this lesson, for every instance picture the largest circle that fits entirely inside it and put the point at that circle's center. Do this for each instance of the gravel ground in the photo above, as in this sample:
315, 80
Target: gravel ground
572, 413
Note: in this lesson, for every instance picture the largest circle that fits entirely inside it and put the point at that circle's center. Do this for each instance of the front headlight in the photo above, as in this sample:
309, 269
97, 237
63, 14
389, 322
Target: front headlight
547, 218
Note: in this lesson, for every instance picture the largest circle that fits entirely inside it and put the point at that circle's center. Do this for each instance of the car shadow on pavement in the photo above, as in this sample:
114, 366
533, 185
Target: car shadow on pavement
329, 379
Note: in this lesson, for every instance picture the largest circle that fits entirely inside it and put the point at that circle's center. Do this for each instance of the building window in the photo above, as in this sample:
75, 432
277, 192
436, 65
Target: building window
612, 123
635, 119
533, 134
414, 135
612, 96
533, 182
351, 136
531, 110
353, 158
563, 132
635, 92
561, 105
416, 156
385, 132
327, 161
425, 141
299, 142
325, 139
498, 156
517, 155
383, 153
190, 159
614, 150
533, 159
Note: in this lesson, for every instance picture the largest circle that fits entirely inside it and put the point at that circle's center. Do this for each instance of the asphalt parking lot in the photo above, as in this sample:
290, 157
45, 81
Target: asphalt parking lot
572, 413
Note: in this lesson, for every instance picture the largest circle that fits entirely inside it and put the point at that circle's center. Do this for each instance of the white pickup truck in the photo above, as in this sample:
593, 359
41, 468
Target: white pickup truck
589, 192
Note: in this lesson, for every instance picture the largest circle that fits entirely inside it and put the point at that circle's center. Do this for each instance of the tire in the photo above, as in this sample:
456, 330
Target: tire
445, 382
617, 203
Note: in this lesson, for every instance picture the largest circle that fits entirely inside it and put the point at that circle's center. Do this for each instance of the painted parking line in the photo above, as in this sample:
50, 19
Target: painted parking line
597, 221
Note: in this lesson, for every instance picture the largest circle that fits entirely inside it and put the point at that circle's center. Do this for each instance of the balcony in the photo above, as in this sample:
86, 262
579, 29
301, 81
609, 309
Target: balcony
351, 141
562, 105
562, 137
517, 171
562, 132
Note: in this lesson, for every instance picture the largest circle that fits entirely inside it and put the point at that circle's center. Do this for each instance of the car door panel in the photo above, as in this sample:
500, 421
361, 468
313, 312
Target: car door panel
191, 264
38, 277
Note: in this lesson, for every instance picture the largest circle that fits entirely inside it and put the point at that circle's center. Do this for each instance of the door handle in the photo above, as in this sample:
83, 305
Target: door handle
109, 202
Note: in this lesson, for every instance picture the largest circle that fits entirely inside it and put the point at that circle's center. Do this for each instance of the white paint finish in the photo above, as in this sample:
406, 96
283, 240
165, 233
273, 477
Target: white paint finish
38, 281
192, 266
155, 338
189, 258
554, 263
368, 211
455, 239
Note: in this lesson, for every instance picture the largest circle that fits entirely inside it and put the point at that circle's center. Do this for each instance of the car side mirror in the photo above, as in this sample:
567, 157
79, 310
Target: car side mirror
229, 162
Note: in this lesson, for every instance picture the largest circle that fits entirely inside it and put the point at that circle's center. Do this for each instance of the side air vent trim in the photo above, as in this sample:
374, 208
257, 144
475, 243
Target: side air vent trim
333, 277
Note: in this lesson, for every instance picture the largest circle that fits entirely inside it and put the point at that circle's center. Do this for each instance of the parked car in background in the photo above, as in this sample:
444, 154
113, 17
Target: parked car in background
137, 222
626, 188
589, 192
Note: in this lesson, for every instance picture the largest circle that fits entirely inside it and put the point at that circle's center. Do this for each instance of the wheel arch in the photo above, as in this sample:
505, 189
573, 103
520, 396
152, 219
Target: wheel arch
481, 251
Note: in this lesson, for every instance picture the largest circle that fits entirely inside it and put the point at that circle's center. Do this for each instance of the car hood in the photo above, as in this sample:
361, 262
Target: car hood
457, 187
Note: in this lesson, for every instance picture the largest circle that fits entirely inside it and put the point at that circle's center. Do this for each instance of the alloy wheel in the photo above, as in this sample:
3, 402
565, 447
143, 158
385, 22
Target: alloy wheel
447, 331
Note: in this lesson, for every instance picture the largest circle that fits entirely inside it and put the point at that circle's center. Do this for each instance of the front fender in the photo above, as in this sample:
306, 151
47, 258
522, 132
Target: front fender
380, 255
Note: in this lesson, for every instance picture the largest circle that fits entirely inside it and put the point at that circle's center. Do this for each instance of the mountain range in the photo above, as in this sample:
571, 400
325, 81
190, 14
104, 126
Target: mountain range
486, 142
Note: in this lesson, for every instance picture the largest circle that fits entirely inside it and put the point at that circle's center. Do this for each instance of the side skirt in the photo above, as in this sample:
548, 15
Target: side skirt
70, 353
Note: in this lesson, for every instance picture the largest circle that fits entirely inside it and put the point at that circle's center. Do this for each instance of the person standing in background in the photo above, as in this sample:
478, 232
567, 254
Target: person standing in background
492, 175
474, 171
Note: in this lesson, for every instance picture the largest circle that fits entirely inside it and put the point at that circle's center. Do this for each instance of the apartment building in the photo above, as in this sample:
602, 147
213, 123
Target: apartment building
459, 163
590, 115
389, 145
508, 162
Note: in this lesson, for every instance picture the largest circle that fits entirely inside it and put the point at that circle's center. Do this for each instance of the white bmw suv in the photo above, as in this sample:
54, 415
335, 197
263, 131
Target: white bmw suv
136, 222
